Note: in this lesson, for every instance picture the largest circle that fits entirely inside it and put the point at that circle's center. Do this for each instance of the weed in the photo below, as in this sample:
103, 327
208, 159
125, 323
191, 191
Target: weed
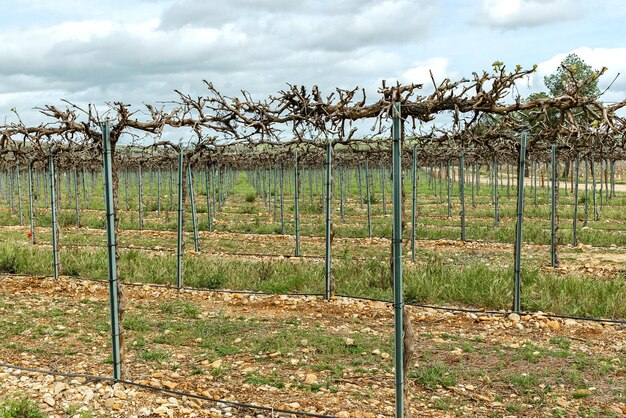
154, 355
433, 375
20, 408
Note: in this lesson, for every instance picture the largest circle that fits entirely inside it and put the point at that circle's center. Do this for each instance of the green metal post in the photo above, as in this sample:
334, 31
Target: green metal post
367, 196
220, 184
596, 215
382, 188
77, 208
53, 206
31, 206
462, 192
575, 220
508, 180
82, 180
398, 301
11, 190
140, 181
274, 197
126, 189
535, 186
586, 193
208, 199
553, 260
328, 268
448, 187
612, 178
296, 188
19, 192
111, 246
213, 196
282, 201
171, 181
159, 192
179, 245
601, 182
192, 200
341, 185
45, 189
414, 204
517, 279
496, 207
310, 175
360, 185
440, 182
473, 177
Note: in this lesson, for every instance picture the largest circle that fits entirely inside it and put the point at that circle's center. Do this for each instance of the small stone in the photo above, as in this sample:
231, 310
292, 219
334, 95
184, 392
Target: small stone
109, 403
48, 399
162, 410
88, 395
385, 355
343, 414
615, 410
515, 318
120, 394
169, 385
348, 341
59, 387
569, 322
457, 351
4, 376
216, 364
310, 379
582, 392
376, 352
554, 325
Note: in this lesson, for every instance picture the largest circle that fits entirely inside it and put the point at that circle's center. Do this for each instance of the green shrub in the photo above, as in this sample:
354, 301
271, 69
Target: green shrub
20, 408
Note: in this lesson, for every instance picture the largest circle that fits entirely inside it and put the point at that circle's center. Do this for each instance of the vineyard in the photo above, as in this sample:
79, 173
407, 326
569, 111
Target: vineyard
318, 255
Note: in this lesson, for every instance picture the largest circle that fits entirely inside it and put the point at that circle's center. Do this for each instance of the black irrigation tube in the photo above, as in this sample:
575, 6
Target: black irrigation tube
171, 250
316, 257
417, 305
163, 390
490, 312
171, 286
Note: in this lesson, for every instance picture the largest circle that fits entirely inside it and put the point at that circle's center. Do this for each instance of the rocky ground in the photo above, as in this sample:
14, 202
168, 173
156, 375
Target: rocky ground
297, 353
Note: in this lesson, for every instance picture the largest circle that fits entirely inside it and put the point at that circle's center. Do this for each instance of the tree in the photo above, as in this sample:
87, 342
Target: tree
572, 73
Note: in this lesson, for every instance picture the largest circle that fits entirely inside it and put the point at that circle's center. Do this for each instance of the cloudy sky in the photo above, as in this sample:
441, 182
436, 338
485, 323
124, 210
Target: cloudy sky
136, 51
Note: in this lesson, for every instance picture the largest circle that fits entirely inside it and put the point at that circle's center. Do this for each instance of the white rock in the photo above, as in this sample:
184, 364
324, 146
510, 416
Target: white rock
310, 379
515, 318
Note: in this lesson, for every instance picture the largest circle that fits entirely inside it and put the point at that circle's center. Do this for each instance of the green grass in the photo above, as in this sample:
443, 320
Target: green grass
433, 375
464, 281
154, 355
20, 407
437, 281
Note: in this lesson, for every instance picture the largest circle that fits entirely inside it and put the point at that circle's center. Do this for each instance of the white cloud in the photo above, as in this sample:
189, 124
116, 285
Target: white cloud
513, 14
89, 51
420, 72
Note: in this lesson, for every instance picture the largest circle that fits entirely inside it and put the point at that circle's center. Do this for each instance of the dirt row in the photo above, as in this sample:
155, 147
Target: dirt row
299, 353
